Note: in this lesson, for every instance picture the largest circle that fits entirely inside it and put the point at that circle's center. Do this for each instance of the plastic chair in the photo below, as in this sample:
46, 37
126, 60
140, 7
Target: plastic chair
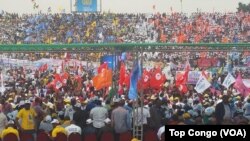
74, 137
150, 135
126, 136
10, 137
60, 137
107, 136
90, 137
42, 136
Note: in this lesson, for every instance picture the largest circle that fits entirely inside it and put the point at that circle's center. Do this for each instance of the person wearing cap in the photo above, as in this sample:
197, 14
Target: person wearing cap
73, 128
223, 112
120, 118
46, 124
10, 128
57, 128
27, 116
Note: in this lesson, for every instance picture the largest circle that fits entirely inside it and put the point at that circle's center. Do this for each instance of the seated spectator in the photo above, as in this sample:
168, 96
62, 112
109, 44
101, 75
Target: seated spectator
72, 128
57, 128
46, 125
10, 129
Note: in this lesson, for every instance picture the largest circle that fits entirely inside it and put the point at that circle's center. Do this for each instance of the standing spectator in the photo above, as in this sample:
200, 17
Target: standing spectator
80, 116
27, 116
223, 112
98, 114
156, 115
120, 118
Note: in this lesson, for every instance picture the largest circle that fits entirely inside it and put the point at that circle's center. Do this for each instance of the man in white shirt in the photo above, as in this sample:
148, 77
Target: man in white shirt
72, 128
98, 114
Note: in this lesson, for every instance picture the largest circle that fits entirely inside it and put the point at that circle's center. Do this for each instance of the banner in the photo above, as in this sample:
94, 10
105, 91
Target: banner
193, 76
202, 85
229, 80
86, 5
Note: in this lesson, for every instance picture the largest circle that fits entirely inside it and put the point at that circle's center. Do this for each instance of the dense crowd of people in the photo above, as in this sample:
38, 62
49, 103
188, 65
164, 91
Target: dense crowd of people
108, 27
30, 104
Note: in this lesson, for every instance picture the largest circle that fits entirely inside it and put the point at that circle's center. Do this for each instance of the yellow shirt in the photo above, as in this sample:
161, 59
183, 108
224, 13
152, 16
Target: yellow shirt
8, 131
27, 117
58, 129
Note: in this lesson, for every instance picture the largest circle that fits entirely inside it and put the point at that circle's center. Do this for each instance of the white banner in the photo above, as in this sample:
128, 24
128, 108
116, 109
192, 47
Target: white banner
229, 80
202, 84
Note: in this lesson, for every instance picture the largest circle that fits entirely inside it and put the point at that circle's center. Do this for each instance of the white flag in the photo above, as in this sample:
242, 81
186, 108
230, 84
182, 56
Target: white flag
2, 89
202, 84
229, 80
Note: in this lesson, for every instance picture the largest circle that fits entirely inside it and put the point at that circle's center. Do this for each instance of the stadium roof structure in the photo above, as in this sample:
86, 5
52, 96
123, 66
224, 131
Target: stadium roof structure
145, 47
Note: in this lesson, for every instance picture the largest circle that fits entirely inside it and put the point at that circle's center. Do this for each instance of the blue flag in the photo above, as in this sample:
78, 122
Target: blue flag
135, 76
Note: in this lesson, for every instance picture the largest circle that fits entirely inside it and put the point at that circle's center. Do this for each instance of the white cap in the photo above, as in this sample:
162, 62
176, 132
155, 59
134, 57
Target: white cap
117, 99
21, 103
55, 121
48, 118
78, 105
11, 122
107, 120
27, 102
88, 121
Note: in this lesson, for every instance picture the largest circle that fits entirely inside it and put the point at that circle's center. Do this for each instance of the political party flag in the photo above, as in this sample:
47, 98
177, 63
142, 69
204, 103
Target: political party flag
202, 84
229, 80
135, 76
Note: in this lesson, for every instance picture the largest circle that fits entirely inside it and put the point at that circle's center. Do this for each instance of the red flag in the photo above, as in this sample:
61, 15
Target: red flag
181, 80
64, 78
102, 67
145, 79
121, 78
157, 79
78, 79
43, 68
127, 80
